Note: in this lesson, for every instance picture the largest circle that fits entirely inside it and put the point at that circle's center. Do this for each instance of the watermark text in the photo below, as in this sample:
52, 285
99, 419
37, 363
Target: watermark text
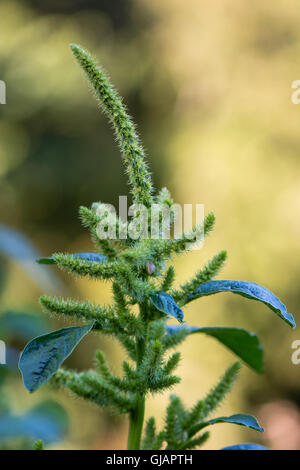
160, 221
2, 352
2, 92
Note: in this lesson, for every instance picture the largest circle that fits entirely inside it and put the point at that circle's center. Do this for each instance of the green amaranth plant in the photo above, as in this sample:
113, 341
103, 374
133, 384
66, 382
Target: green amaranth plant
136, 270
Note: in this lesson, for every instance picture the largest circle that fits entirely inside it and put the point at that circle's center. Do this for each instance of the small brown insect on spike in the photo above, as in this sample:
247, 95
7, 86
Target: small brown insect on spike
150, 267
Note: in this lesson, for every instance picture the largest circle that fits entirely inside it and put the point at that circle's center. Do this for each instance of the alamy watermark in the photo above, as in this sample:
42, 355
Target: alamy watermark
295, 358
2, 352
295, 97
2, 92
160, 221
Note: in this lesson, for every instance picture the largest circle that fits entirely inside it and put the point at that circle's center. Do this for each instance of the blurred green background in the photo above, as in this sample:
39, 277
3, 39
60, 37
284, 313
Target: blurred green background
209, 84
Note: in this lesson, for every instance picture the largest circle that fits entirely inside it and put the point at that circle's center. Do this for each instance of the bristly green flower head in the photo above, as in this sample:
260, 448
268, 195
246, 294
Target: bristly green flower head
137, 272
126, 135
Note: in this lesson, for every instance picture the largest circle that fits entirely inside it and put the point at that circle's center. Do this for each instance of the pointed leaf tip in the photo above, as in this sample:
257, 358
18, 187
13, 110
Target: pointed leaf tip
251, 290
240, 419
244, 344
43, 355
166, 304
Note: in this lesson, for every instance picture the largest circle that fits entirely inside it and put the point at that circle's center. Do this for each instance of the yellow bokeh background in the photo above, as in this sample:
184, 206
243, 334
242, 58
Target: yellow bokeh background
210, 85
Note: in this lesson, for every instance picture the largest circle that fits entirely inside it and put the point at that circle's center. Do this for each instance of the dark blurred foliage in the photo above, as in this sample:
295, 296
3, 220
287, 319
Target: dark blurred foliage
117, 10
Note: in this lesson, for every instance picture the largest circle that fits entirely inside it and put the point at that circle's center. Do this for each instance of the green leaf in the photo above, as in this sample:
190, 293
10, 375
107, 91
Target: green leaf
247, 446
43, 355
166, 304
244, 344
240, 419
87, 256
251, 290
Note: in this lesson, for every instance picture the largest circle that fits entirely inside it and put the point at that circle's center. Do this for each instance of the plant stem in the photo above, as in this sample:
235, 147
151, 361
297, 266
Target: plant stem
136, 419
136, 424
